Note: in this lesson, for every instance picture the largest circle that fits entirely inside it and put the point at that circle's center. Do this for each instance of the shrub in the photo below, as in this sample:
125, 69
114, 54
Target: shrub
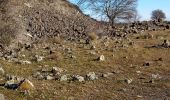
92, 36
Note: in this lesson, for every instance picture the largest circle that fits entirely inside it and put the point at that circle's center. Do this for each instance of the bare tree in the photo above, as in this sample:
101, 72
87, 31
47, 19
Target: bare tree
135, 18
113, 10
158, 15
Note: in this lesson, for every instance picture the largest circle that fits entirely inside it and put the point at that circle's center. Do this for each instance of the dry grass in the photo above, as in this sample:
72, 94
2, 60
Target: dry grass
93, 36
126, 61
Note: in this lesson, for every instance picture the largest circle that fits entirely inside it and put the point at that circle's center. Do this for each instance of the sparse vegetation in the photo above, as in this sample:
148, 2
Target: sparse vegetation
50, 50
92, 35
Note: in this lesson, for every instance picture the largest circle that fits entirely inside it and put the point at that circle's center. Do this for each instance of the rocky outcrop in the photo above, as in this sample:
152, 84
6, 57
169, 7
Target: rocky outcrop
24, 21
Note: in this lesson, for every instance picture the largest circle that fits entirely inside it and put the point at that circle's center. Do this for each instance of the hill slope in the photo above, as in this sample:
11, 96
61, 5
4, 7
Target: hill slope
26, 20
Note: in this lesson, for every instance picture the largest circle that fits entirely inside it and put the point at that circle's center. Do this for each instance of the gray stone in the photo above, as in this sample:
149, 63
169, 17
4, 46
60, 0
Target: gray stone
79, 78
26, 62
72, 56
91, 76
48, 77
45, 69
107, 75
93, 47
155, 76
93, 53
38, 58
64, 78
11, 84
56, 70
166, 43
38, 75
128, 81
101, 58
10, 77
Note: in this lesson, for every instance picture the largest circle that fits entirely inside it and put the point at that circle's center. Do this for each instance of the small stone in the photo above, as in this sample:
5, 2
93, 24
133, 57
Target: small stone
93, 47
146, 64
45, 69
138, 72
56, 70
128, 81
64, 78
2, 97
155, 76
91, 76
38, 58
38, 75
79, 78
26, 62
152, 81
17, 61
11, 85
101, 58
93, 53
166, 43
160, 59
73, 57
123, 90
167, 27
139, 96
107, 75
48, 77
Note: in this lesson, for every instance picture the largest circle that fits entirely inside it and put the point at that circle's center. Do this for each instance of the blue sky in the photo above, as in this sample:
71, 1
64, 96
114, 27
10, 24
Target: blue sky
145, 7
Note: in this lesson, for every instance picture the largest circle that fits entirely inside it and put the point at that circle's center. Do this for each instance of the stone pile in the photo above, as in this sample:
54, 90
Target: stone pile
59, 74
137, 27
165, 44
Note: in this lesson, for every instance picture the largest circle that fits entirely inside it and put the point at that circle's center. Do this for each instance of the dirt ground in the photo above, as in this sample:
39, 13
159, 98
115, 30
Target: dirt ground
149, 82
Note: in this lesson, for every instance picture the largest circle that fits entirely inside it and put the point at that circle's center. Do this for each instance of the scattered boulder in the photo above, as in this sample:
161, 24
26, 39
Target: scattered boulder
167, 27
93, 47
160, 59
38, 58
91, 76
78, 78
155, 76
48, 77
38, 75
107, 75
101, 58
57, 70
26, 62
10, 77
11, 85
146, 64
64, 78
166, 43
128, 81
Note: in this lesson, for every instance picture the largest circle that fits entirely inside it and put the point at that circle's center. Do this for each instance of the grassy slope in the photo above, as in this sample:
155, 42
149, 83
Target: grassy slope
125, 60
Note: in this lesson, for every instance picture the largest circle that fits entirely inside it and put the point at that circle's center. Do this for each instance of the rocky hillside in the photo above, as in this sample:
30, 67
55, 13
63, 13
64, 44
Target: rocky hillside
27, 20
